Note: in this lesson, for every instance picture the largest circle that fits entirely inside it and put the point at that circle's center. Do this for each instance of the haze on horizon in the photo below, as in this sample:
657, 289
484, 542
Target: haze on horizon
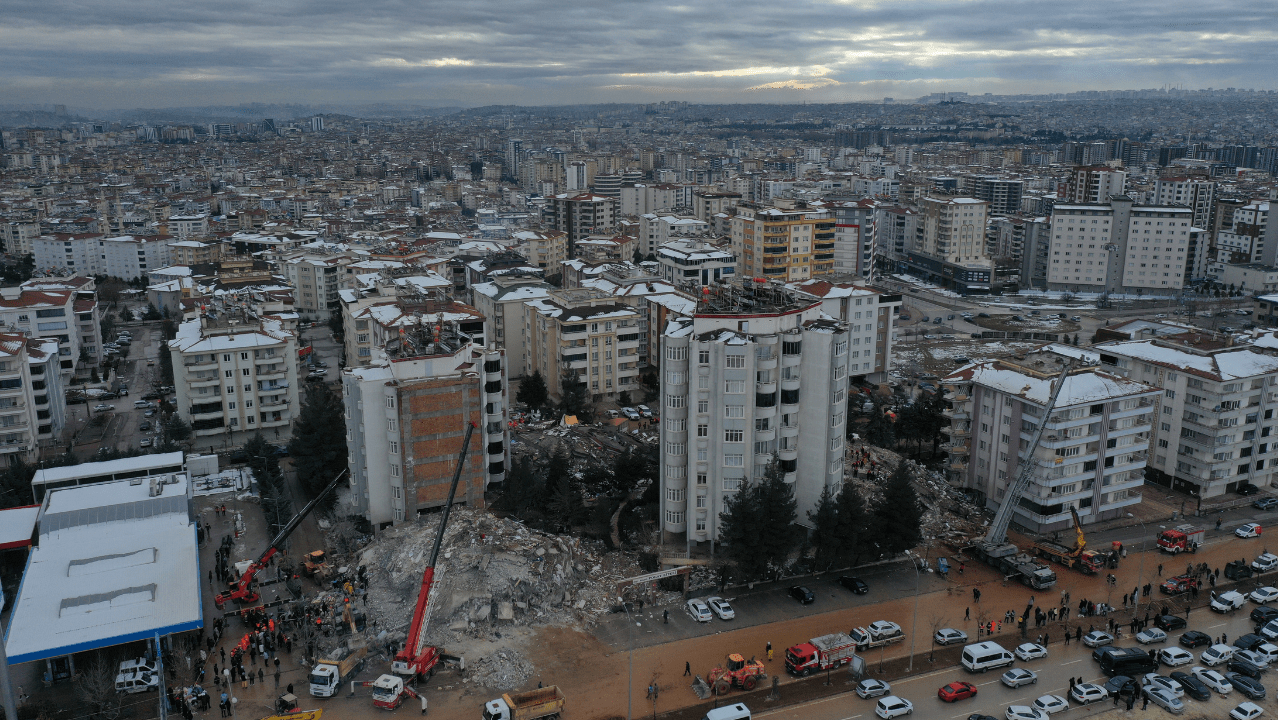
135, 54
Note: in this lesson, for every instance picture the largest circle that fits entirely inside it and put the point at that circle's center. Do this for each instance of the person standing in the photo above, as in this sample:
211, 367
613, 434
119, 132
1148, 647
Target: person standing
768, 651
687, 671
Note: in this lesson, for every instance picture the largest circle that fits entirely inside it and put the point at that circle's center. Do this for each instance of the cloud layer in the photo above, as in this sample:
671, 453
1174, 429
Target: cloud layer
164, 53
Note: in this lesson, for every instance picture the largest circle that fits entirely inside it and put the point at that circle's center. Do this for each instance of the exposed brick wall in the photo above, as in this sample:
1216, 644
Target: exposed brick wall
433, 416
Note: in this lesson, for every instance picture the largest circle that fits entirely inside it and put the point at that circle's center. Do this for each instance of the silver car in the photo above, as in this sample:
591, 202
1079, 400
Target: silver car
871, 688
1164, 698
1017, 677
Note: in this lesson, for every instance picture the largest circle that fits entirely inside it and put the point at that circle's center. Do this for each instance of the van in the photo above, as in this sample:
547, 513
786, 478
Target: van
136, 681
1132, 661
983, 656
737, 711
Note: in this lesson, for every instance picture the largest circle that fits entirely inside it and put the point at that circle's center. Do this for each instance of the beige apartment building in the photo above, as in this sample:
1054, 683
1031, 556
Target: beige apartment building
588, 333
789, 244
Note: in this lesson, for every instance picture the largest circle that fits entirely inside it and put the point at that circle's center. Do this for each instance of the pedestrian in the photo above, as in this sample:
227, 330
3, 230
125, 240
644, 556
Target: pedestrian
260, 675
961, 568
277, 677
1079, 633
1115, 700
1067, 640
976, 594
664, 617
1218, 525
768, 651
1145, 700
250, 680
1160, 570
966, 613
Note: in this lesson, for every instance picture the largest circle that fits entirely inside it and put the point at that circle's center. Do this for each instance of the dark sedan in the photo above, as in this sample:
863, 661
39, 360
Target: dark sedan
1169, 623
1192, 685
1194, 639
1247, 685
1244, 667
801, 593
1262, 615
1118, 683
855, 584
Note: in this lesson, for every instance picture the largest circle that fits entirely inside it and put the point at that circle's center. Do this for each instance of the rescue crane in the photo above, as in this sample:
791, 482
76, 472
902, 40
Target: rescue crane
243, 591
415, 658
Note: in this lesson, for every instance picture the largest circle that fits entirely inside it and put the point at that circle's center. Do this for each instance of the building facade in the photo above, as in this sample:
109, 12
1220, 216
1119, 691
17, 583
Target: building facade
694, 262
1120, 247
952, 247
787, 244
587, 334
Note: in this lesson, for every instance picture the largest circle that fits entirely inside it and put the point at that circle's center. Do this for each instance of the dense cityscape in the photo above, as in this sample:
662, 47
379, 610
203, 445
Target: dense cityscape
321, 408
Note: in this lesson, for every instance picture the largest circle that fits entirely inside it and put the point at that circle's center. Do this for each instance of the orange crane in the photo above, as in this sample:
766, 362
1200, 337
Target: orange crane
244, 592
415, 658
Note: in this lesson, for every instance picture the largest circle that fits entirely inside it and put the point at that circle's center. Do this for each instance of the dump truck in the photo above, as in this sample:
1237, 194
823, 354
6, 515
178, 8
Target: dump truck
542, 704
330, 673
877, 634
1184, 538
1088, 562
820, 653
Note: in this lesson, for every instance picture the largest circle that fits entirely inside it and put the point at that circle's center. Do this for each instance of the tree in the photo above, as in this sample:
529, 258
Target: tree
565, 508
166, 366
826, 525
107, 325
265, 467
126, 315
898, 513
319, 443
533, 391
649, 381
880, 429
624, 398
856, 529
559, 471
152, 313
758, 524
1076, 339
15, 484
335, 325
95, 683
477, 170
573, 394
523, 487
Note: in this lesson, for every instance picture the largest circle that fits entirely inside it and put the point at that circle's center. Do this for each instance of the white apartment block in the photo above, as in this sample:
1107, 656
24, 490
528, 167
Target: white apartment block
1195, 193
657, 230
316, 273
543, 249
17, 401
1215, 426
872, 317
132, 256
68, 316
69, 253
1120, 247
1092, 185
741, 383
374, 314
694, 262
1091, 456
48, 409
895, 230
952, 244
19, 236
855, 246
235, 372
643, 199
502, 303
185, 226
587, 333
1248, 239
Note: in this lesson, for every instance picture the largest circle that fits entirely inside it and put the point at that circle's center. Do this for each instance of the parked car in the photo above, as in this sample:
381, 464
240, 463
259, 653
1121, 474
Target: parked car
1266, 562
103, 408
950, 636
1217, 654
959, 690
1249, 530
145, 426
1247, 489
1246, 711
1085, 693
1249, 687
143, 403
645, 412
1117, 683
801, 593
1050, 704
1229, 600
891, 706
1174, 656
1017, 677
1165, 682
1192, 685
698, 610
1265, 503
1150, 635
1212, 678
144, 442
855, 584
1098, 638
1242, 666
871, 688
1169, 623
1023, 712
1164, 698
1194, 639
721, 608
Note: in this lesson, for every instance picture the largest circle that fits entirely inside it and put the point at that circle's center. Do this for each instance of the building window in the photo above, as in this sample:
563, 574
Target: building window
733, 435
733, 411
702, 430
735, 361
675, 518
704, 356
733, 460
702, 479
675, 495
735, 387
393, 447
675, 401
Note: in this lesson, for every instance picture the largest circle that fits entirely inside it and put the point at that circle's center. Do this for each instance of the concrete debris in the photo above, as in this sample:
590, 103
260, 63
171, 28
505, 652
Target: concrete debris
502, 669
950, 515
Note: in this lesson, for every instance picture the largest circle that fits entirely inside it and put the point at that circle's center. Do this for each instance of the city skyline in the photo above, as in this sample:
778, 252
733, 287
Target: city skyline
131, 55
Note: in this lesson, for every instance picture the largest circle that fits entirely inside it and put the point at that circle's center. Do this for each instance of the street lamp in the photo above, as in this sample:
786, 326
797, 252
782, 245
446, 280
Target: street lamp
914, 612
1142, 558
631, 650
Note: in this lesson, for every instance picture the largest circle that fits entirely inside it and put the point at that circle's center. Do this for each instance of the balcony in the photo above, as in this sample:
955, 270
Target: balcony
957, 448
958, 466
204, 382
955, 414
284, 420
958, 433
202, 365
766, 388
273, 405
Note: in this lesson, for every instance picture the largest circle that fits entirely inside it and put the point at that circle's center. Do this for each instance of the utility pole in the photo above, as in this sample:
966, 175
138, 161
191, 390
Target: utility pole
163, 696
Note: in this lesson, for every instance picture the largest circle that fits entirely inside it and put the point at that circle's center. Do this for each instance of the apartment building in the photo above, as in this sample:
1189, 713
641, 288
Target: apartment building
707, 204
235, 373
756, 372
951, 249
788, 244
1120, 247
1247, 239
543, 249
185, 226
896, 230
640, 199
407, 414
1093, 451
1091, 185
374, 314
502, 303
872, 317
1215, 426
855, 246
19, 237
81, 253
129, 257
1003, 195
316, 273
47, 413
18, 427
1196, 193
1034, 258
62, 310
195, 252
578, 216
694, 262
587, 333
658, 230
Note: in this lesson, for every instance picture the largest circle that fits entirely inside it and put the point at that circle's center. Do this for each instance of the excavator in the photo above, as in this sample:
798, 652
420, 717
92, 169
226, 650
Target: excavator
417, 659
1088, 562
243, 591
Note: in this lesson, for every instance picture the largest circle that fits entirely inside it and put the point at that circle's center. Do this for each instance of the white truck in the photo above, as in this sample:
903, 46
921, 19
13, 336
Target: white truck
877, 634
137, 680
330, 673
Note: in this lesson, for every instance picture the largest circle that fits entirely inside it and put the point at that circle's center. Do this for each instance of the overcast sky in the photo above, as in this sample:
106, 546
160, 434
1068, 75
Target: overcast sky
166, 53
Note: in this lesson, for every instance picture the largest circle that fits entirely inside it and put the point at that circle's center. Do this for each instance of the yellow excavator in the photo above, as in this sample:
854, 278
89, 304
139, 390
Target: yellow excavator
1088, 562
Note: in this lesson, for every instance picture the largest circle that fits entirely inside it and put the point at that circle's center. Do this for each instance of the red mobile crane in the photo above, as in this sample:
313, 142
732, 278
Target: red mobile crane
243, 591
413, 658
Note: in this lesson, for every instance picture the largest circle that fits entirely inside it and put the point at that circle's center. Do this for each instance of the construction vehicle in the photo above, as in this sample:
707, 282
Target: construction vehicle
416, 657
877, 634
1184, 538
995, 548
331, 672
314, 565
820, 653
389, 691
243, 591
295, 714
1179, 584
542, 704
737, 672
1088, 562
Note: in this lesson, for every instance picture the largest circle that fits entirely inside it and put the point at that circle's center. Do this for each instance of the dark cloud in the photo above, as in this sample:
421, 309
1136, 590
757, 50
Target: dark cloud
148, 53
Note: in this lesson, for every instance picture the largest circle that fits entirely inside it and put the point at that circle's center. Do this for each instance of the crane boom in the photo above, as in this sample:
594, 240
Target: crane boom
242, 592
1080, 541
998, 534
413, 659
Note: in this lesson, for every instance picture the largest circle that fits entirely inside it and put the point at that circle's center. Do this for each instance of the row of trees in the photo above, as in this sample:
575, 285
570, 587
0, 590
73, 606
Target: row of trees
575, 399
319, 442
919, 423
759, 530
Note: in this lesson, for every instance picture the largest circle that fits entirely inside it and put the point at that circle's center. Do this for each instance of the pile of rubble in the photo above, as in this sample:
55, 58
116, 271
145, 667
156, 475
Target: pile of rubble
949, 514
502, 668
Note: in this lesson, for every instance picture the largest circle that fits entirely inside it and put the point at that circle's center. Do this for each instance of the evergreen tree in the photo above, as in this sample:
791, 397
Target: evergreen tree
559, 472
335, 325
319, 443
565, 509
898, 514
880, 430
743, 533
533, 391
152, 313
523, 487
15, 484
271, 487
573, 394
759, 524
826, 525
856, 529
176, 429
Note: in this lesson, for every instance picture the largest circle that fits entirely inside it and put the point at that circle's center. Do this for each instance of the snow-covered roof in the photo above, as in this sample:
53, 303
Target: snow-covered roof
116, 562
1229, 364
16, 526
1082, 387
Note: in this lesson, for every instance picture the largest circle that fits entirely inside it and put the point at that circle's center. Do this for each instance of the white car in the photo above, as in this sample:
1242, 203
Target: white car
1213, 679
698, 610
884, 628
1051, 704
1097, 638
145, 442
1167, 683
1264, 595
1022, 712
1151, 635
1246, 711
1086, 693
1227, 601
103, 408
1017, 677
1249, 530
1030, 651
1164, 698
892, 706
950, 636
630, 413
871, 688
1268, 651
1266, 562
1217, 654
1174, 656
1268, 631
721, 608
644, 411
141, 404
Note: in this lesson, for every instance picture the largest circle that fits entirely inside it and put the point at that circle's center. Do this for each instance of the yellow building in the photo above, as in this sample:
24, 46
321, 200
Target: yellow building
790, 244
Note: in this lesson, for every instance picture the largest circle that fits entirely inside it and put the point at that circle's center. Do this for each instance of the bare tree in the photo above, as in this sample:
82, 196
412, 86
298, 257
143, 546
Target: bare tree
95, 683
936, 622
